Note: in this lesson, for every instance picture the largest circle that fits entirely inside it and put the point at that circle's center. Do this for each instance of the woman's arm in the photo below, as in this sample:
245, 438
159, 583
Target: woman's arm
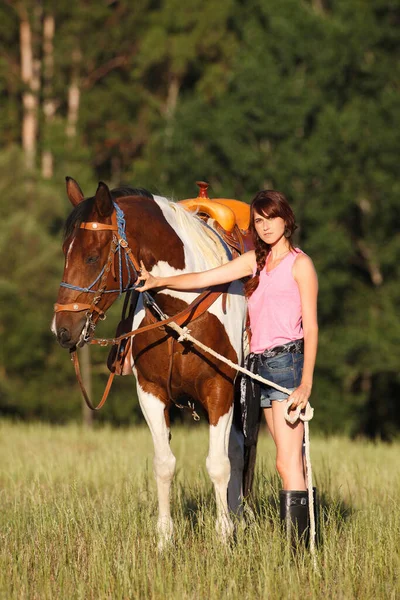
243, 266
306, 278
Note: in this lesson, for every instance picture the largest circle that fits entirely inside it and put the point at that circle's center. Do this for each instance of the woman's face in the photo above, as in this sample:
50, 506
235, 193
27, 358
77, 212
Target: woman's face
269, 229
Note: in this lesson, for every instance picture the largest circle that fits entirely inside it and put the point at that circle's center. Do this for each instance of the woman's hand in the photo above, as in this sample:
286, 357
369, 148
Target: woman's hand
149, 280
300, 396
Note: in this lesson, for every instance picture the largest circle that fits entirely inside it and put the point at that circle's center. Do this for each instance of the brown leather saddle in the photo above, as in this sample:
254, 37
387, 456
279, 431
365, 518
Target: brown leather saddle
231, 218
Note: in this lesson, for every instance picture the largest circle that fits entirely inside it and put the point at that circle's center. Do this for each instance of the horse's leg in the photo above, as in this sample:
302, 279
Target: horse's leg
219, 469
155, 413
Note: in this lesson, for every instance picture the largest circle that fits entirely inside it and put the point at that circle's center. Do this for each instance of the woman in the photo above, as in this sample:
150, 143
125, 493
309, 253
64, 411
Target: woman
282, 301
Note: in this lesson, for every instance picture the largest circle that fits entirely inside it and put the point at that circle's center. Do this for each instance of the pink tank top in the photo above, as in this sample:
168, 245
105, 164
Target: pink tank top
275, 307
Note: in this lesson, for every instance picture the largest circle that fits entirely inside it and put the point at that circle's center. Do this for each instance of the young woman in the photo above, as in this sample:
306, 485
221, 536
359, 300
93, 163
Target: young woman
282, 301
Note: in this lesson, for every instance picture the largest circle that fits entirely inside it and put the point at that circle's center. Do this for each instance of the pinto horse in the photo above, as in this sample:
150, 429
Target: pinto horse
169, 240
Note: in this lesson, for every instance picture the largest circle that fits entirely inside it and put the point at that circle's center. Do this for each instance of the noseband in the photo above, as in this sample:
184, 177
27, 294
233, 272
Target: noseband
118, 243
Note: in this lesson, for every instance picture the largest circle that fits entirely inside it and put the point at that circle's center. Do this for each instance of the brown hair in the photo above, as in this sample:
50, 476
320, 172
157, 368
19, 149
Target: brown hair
268, 203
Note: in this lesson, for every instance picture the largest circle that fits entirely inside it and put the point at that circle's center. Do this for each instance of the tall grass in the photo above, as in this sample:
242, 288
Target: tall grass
78, 514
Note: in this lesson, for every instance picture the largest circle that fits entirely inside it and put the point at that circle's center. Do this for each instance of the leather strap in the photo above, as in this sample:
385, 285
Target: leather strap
191, 312
76, 307
199, 306
94, 226
75, 360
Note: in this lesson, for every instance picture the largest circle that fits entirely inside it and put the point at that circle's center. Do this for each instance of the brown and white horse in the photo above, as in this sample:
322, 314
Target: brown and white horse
169, 240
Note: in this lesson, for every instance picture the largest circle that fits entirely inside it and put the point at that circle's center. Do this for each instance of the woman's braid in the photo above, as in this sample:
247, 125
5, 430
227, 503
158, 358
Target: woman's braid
261, 250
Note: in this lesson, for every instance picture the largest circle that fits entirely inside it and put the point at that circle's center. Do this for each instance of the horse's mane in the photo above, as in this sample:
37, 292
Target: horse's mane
82, 211
209, 247
211, 251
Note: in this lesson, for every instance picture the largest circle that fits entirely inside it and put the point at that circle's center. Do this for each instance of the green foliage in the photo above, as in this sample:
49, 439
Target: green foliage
302, 97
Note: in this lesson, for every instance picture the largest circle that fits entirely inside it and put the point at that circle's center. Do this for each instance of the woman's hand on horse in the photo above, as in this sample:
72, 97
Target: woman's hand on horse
300, 396
149, 281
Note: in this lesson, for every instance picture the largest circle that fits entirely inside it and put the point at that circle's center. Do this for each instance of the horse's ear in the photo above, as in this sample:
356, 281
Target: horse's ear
74, 192
103, 200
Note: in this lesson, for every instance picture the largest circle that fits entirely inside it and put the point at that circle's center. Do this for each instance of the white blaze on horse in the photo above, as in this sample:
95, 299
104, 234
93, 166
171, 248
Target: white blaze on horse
98, 269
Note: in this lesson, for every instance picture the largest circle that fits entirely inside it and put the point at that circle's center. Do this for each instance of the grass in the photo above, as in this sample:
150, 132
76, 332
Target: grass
78, 514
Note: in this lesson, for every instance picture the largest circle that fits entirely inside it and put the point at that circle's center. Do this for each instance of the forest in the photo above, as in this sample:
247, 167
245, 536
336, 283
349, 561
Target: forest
302, 96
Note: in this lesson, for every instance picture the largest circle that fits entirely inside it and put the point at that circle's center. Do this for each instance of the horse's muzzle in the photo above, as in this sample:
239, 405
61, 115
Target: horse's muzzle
64, 338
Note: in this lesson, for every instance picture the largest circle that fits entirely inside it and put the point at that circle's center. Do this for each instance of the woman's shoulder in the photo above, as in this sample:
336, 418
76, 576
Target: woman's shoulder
300, 255
303, 264
250, 256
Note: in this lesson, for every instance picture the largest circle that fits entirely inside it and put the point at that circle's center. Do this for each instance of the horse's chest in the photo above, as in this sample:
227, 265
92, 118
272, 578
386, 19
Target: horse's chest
158, 355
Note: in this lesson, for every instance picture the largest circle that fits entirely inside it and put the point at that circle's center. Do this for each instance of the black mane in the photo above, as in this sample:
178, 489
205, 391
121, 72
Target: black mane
82, 211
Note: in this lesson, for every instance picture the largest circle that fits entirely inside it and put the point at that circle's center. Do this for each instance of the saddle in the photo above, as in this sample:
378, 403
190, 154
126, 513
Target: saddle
231, 218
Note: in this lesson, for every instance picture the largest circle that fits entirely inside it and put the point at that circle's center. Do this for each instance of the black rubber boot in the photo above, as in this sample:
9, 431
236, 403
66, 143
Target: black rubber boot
295, 517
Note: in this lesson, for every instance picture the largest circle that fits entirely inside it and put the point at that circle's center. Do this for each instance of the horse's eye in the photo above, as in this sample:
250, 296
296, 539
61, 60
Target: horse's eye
92, 259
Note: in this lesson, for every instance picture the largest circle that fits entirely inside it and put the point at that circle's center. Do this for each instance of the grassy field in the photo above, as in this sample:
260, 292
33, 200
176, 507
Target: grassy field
78, 513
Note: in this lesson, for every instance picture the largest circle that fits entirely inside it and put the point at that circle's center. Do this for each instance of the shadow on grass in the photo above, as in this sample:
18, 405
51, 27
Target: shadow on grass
329, 510
197, 504
194, 504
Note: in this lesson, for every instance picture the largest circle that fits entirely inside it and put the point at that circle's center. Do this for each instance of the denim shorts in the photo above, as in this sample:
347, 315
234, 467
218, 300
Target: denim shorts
283, 369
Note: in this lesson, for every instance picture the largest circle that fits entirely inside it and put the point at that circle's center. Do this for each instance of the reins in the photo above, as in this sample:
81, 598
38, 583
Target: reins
190, 313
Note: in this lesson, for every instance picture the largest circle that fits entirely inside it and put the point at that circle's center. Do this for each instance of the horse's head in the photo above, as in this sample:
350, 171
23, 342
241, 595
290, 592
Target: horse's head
93, 266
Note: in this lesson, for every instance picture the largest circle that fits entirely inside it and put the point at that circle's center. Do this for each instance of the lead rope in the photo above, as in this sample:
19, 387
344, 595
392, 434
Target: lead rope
291, 418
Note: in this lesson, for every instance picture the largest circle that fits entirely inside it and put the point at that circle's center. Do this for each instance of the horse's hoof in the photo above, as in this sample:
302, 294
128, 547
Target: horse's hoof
165, 530
163, 545
225, 529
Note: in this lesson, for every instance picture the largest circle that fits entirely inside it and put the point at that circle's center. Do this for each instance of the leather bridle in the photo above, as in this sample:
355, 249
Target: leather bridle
118, 243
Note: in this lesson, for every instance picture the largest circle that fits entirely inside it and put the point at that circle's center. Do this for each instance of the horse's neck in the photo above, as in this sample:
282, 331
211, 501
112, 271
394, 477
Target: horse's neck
149, 234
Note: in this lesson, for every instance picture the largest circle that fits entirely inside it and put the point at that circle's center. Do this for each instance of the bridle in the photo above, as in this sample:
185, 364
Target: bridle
118, 244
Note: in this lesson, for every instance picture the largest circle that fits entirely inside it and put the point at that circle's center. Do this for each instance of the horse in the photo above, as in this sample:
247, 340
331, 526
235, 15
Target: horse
169, 240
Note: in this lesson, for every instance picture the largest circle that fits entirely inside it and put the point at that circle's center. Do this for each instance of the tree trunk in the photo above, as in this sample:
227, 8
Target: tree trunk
74, 95
30, 75
49, 107
171, 104
318, 6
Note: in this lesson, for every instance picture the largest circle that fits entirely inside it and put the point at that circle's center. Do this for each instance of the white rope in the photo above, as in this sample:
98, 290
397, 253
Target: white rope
292, 417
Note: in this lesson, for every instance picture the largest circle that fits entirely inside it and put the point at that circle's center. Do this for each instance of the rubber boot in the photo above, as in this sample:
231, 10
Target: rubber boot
295, 517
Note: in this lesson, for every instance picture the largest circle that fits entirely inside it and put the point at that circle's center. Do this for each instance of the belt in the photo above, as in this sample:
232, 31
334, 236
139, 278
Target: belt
295, 347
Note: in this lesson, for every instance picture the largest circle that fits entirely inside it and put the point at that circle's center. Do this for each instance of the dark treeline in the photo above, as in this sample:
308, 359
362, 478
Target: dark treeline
301, 96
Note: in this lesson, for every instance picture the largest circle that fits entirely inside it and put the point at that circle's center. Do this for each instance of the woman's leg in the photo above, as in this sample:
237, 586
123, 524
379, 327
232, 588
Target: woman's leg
270, 421
289, 448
